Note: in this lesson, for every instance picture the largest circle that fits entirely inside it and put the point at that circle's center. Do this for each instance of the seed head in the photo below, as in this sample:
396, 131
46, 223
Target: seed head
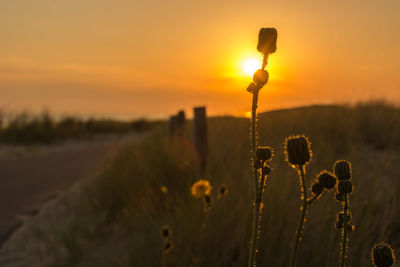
383, 255
298, 150
201, 188
223, 190
345, 187
343, 169
166, 231
260, 77
267, 40
317, 189
252, 88
326, 179
208, 201
168, 245
264, 153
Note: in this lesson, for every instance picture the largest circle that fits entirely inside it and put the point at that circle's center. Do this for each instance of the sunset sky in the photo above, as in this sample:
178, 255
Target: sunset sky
150, 58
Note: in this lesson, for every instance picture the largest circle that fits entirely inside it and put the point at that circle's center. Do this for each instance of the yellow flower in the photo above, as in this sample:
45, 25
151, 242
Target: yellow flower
201, 188
164, 189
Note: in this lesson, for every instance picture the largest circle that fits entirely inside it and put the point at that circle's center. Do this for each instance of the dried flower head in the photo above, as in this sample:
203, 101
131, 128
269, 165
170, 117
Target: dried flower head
345, 187
166, 231
326, 179
383, 255
201, 188
252, 88
208, 201
267, 40
260, 77
342, 169
264, 153
297, 150
168, 245
223, 190
317, 189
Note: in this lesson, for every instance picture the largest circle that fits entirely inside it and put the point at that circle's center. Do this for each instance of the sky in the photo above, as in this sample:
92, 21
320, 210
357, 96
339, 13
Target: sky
152, 58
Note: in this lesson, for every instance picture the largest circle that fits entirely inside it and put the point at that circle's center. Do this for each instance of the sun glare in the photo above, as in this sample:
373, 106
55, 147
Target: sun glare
250, 66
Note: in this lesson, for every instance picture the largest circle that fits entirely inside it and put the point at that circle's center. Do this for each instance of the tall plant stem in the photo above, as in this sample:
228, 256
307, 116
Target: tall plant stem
302, 216
256, 205
344, 231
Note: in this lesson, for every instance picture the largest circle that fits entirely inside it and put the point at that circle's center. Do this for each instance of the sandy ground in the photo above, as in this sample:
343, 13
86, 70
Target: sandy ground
32, 176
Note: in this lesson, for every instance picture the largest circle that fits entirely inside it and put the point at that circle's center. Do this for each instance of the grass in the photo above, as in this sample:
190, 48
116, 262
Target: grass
114, 218
28, 129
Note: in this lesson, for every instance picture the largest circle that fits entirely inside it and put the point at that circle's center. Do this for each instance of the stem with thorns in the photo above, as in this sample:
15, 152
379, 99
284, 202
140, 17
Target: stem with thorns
256, 205
344, 231
302, 216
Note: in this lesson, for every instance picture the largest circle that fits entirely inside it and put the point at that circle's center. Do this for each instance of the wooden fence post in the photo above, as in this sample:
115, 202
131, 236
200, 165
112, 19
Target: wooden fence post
200, 138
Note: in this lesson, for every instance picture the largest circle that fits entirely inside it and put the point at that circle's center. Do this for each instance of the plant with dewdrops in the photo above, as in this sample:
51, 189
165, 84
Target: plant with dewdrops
166, 235
344, 189
298, 154
266, 45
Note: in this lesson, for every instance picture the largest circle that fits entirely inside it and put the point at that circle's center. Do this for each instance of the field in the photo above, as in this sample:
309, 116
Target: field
114, 218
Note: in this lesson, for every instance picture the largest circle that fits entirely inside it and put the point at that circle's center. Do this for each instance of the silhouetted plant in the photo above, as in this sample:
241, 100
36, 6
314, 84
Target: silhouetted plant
266, 45
382, 255
166, 234
345, 187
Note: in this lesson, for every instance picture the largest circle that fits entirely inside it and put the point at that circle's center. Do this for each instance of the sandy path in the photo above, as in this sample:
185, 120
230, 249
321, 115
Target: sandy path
30, 178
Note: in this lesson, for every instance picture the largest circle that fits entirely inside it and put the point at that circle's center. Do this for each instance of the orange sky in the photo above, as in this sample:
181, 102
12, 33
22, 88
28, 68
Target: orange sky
151, 58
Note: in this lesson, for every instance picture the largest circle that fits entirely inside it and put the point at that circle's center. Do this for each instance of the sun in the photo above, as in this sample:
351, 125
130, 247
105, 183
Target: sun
250, 66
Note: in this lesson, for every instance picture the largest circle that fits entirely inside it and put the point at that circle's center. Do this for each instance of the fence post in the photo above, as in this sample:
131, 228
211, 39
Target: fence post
200, 138
173, 125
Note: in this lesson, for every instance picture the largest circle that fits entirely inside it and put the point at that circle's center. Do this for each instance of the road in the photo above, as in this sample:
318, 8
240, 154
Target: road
29, 178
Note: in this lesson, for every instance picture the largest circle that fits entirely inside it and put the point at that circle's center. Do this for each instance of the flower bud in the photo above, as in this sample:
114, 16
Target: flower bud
264, 153
317, 189
382, 255
252, 88
168, 245
343, 169
260, 77
165, 231
327, 180
298, 150
345, 187
267, 40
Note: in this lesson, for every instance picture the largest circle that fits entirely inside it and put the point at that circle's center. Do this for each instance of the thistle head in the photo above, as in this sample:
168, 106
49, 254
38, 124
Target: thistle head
168, 245
222, 191
317, 189
383, 255
166, 231
260, 77
201, 188
342, 169
208, 201
267, 40
326, 179
264, 153
298, 150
